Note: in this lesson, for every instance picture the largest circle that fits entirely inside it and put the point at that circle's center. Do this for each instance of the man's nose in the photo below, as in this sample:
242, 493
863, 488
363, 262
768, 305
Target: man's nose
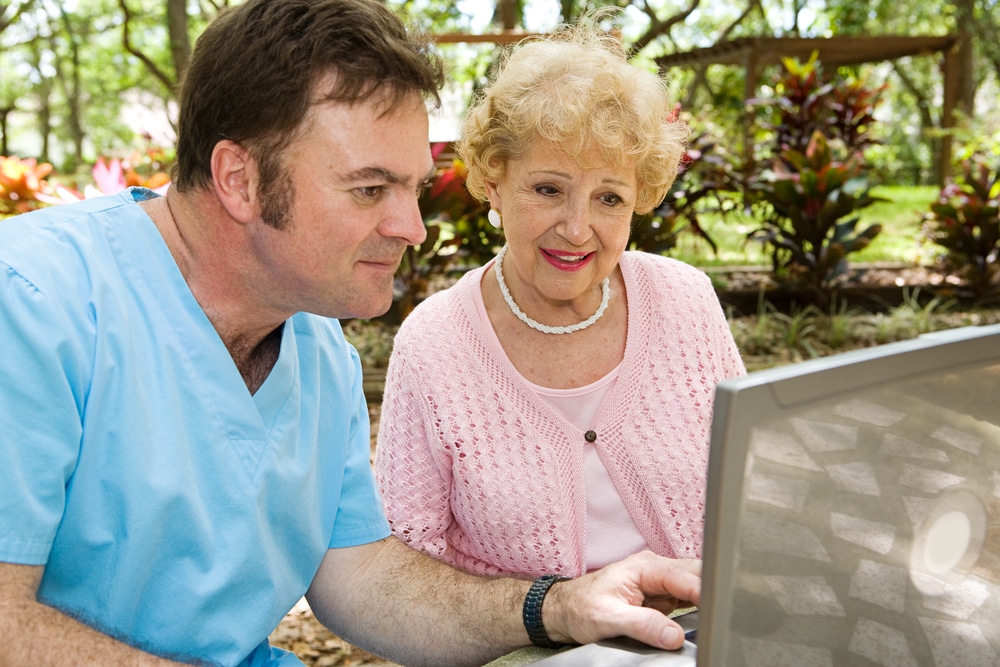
405, 222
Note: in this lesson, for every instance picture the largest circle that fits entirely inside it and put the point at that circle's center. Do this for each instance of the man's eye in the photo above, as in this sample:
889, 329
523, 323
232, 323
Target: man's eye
370, 192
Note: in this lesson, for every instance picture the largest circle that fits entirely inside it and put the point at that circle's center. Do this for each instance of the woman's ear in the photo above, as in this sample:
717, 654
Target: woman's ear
493, 194
234, 175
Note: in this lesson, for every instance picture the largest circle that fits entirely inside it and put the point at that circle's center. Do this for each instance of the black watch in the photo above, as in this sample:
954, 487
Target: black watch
532, 612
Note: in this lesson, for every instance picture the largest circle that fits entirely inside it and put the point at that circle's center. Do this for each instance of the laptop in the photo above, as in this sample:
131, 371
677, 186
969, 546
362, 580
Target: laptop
852, 515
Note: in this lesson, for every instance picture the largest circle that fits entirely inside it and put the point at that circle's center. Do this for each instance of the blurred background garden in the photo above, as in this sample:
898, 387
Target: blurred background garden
841, 185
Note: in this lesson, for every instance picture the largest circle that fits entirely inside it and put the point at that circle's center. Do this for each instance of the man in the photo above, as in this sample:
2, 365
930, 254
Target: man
183, 433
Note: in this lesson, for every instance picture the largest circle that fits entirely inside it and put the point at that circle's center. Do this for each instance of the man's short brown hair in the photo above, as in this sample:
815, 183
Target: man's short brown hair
252, 76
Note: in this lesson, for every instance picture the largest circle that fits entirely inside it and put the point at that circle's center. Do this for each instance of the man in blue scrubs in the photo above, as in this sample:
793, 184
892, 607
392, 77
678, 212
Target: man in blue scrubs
183, 437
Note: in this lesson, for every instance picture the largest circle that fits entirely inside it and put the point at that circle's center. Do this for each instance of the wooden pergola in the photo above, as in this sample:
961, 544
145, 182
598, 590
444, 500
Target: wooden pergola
755, 53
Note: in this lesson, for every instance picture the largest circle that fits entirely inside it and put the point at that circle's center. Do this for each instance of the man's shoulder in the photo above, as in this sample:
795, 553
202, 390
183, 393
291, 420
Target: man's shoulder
60, 236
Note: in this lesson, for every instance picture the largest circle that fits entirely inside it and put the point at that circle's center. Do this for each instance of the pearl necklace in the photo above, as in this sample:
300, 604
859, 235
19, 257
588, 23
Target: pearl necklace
605, 293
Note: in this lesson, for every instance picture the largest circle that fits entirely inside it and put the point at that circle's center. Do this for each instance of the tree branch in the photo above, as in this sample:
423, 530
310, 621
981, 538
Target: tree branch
6, 23
159, 74
658, 27
752, 5
923, 105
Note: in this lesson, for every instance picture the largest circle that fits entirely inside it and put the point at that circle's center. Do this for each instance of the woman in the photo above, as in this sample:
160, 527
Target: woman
550, 412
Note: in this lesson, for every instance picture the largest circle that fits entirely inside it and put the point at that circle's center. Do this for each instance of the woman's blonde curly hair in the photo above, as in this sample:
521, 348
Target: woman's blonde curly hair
577, 89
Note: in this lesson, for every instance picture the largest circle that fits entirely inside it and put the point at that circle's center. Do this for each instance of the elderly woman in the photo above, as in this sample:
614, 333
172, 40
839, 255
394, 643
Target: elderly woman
550, 412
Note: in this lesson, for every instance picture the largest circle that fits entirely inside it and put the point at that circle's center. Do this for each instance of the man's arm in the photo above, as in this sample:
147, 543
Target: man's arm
38, 635
406, 606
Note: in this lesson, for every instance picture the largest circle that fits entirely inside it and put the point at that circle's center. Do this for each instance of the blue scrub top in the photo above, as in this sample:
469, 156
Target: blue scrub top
171, 508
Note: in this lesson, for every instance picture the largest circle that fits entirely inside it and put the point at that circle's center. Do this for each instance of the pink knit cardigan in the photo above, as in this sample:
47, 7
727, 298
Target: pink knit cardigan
476, 470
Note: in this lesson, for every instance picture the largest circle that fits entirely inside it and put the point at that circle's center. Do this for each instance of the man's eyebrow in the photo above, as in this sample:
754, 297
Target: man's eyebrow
374, 174
383, 174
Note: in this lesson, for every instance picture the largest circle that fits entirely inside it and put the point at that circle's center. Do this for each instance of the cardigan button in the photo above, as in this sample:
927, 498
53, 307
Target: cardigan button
590, 436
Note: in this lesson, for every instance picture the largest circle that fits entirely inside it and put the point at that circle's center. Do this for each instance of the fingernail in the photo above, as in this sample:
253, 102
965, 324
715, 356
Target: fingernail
671, 636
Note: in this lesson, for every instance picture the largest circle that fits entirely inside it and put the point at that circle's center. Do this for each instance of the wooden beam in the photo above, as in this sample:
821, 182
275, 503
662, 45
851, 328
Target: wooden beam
833, 51
756, 53
952, 73
501, 38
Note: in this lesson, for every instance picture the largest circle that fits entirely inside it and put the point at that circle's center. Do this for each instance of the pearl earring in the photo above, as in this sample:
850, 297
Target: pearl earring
494, 217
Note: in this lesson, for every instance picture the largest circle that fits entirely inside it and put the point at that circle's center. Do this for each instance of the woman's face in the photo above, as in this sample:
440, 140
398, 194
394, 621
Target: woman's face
566, 225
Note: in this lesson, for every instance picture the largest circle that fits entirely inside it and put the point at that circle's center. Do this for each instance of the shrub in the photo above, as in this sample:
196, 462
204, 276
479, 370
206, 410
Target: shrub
801, 107
811, 226
808, 198
965, 222
704, 184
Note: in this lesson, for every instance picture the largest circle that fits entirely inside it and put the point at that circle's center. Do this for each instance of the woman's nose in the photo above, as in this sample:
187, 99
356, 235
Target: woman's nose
576, 226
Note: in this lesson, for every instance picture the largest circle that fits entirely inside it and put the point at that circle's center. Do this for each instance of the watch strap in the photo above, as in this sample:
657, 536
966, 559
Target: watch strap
532, 612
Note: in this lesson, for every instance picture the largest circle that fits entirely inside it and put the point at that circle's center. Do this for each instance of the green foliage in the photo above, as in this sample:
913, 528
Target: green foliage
78, 82
799, 324
852, 104
812, 227
757, 335
801, 105
448, 203
807, 101
900, 212
769, 338
965, 222
836, 327
810, 198
706, 176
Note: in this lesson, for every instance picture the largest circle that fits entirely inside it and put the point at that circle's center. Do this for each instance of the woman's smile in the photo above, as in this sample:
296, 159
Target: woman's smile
565, 260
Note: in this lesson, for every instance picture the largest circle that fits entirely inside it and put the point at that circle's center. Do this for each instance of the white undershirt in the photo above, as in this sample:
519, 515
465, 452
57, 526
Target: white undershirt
611, 532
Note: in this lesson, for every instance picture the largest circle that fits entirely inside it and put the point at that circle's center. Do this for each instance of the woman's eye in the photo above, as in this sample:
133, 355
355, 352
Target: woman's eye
547, 190
611, 199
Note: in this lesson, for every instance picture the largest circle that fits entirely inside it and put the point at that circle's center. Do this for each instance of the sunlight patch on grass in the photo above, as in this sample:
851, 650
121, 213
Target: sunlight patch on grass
730, 234
900, 242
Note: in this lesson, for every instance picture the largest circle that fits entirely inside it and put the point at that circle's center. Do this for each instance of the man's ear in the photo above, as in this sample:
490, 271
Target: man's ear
234, 175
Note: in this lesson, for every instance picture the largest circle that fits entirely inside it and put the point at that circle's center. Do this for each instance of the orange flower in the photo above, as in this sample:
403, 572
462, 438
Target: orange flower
21, 181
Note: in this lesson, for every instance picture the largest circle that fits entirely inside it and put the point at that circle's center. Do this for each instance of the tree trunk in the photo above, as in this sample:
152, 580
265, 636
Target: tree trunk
72, 87
180, 43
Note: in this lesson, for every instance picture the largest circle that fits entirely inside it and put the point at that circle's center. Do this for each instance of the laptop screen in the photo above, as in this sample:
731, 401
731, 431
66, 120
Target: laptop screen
854, 509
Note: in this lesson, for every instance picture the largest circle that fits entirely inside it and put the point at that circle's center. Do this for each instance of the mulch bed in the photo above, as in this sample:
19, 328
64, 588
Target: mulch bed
873, 288
316, 646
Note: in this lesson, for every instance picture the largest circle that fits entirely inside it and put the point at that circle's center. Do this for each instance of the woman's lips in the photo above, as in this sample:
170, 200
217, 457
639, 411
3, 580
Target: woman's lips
567, 261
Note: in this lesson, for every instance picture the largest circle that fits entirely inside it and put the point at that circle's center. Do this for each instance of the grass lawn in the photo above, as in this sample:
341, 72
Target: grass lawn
899, 243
